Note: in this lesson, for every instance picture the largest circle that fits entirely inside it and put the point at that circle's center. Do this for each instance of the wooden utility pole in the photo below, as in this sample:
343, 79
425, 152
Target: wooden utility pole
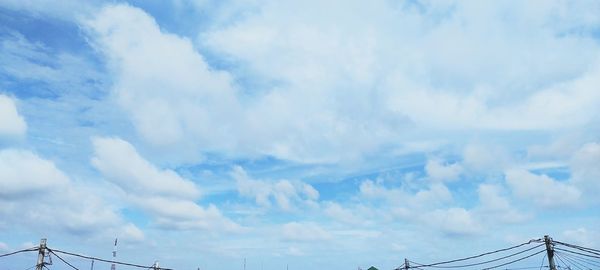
41, 254
406, 265
550, 252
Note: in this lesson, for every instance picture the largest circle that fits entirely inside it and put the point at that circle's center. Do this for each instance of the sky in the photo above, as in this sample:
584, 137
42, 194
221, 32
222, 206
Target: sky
307, 134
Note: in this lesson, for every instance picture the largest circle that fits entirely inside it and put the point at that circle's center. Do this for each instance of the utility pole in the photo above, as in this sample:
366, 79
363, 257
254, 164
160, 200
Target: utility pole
41, 254
550, 252
406, 265
244, 263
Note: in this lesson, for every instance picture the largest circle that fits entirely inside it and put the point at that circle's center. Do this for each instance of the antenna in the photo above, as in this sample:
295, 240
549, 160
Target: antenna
113, 266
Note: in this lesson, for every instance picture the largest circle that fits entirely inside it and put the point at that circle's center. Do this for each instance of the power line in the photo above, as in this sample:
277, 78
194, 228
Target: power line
575, 262
575, 252
63, 260
489, 261
590, 250
543, 260
19, 251
520, 259
579, 261
522, 268
108, 261
477, 256
566, 264
581, 258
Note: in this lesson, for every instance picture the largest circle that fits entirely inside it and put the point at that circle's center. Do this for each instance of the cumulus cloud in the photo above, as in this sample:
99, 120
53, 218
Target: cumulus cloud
305, 64
430, 206
586, 170
60, 202
121, 164
24, 172
339, 213
486, 159
494, 207
436, 194
542, 189
162, 193
473, 71
161, 81
284, 193
453, 221
438, 171
11, 123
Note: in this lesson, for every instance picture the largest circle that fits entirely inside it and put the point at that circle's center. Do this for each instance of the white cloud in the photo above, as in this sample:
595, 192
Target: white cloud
431, 206
481, 77
162, 79
296, 231
452, 221
335, 89
339, 213
489, 197
11, 123
121, 164
24, 173
59, 203
586, 170
284, 193
572, 103
438, 171
174, 99
486, 159
162, 193
434, 195
541, 189
496, 208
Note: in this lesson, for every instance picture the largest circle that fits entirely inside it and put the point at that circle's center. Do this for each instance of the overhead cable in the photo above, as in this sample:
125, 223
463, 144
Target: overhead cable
578, 260
477, 256
514, 261
575, 252
63, 260
19, 251
581, 258
486, 262
586, 249
108, 261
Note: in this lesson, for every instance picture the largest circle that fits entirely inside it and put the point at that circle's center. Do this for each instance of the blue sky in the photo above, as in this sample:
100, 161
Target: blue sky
312, 134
